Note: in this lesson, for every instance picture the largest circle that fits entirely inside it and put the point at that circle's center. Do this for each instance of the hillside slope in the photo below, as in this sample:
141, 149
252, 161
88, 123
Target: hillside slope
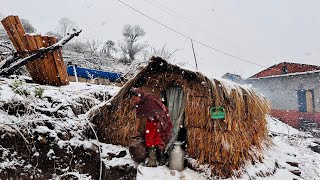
47, 136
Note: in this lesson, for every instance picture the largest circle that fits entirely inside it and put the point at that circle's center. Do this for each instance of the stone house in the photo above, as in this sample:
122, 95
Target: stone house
293, 90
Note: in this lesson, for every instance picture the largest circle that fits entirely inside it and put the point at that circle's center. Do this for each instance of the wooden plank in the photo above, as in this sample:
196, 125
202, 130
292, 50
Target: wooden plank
52, 40
46, 62
53, 73
64, 75
16, 34
61, 67
36, 71
20, 42
41, 63
20, 31
31, 66
43, 71
8, 25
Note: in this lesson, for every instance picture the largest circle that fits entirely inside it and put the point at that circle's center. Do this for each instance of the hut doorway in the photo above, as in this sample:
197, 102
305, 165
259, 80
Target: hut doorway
176, 102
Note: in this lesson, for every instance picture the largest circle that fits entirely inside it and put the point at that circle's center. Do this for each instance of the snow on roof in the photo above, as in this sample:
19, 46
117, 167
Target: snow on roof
286, 75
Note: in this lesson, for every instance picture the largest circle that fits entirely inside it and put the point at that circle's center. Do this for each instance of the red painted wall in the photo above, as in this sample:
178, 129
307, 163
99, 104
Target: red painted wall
292, 117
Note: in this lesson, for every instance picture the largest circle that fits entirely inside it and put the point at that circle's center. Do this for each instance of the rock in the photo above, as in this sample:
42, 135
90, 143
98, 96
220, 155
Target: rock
90, 147
42, 140
172, 173
317, 142
296, 172
119, 172
64, 136
294, 164
315, 147
110, 156
121, 154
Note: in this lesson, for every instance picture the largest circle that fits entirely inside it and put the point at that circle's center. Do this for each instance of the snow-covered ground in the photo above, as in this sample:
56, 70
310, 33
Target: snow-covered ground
290, 145
65, 108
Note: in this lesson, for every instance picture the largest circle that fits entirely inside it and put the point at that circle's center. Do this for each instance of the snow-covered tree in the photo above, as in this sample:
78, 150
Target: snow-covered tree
65, 25
163, 52
28, 27
93, 45
77, 46
130, 47
55, 34
108, 47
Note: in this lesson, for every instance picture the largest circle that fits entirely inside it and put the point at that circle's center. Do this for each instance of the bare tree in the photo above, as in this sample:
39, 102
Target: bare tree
93, 45
130, 47
77, 46
65, 25
108, 47
28, 27
55, 34
162, 52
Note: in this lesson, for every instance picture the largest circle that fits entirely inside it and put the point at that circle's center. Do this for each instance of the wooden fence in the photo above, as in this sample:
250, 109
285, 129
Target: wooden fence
50, 69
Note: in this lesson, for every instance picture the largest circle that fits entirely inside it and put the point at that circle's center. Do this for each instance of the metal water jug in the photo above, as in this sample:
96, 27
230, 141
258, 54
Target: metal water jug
176, 159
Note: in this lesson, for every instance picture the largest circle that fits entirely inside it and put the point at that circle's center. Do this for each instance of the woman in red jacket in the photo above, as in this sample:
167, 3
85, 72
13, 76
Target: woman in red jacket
153, 123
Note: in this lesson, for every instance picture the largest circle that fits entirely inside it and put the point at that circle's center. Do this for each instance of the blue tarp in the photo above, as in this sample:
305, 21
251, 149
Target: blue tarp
92, 73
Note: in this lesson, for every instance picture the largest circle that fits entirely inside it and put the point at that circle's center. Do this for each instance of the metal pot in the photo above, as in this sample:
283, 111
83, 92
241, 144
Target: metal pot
176, 159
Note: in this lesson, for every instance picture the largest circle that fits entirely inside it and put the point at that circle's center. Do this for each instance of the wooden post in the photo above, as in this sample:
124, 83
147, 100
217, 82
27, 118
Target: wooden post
194, 54
75, 73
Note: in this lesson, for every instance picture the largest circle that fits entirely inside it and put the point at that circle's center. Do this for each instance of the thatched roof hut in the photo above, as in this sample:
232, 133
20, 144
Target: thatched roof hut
225, 145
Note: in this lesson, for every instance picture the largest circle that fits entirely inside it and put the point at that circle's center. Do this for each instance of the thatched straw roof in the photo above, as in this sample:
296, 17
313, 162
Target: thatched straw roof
224, 145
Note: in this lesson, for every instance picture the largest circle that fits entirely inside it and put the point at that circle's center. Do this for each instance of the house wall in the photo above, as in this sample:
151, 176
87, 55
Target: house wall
282, 91
282, 94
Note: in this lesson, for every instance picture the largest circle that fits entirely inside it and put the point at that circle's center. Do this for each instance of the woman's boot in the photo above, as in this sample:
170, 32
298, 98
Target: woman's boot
152, 155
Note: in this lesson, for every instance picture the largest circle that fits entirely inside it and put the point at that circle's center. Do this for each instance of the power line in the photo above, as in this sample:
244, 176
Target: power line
199, 27
188, 37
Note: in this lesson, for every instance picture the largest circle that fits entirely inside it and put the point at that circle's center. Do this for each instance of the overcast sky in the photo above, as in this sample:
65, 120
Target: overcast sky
264, 32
